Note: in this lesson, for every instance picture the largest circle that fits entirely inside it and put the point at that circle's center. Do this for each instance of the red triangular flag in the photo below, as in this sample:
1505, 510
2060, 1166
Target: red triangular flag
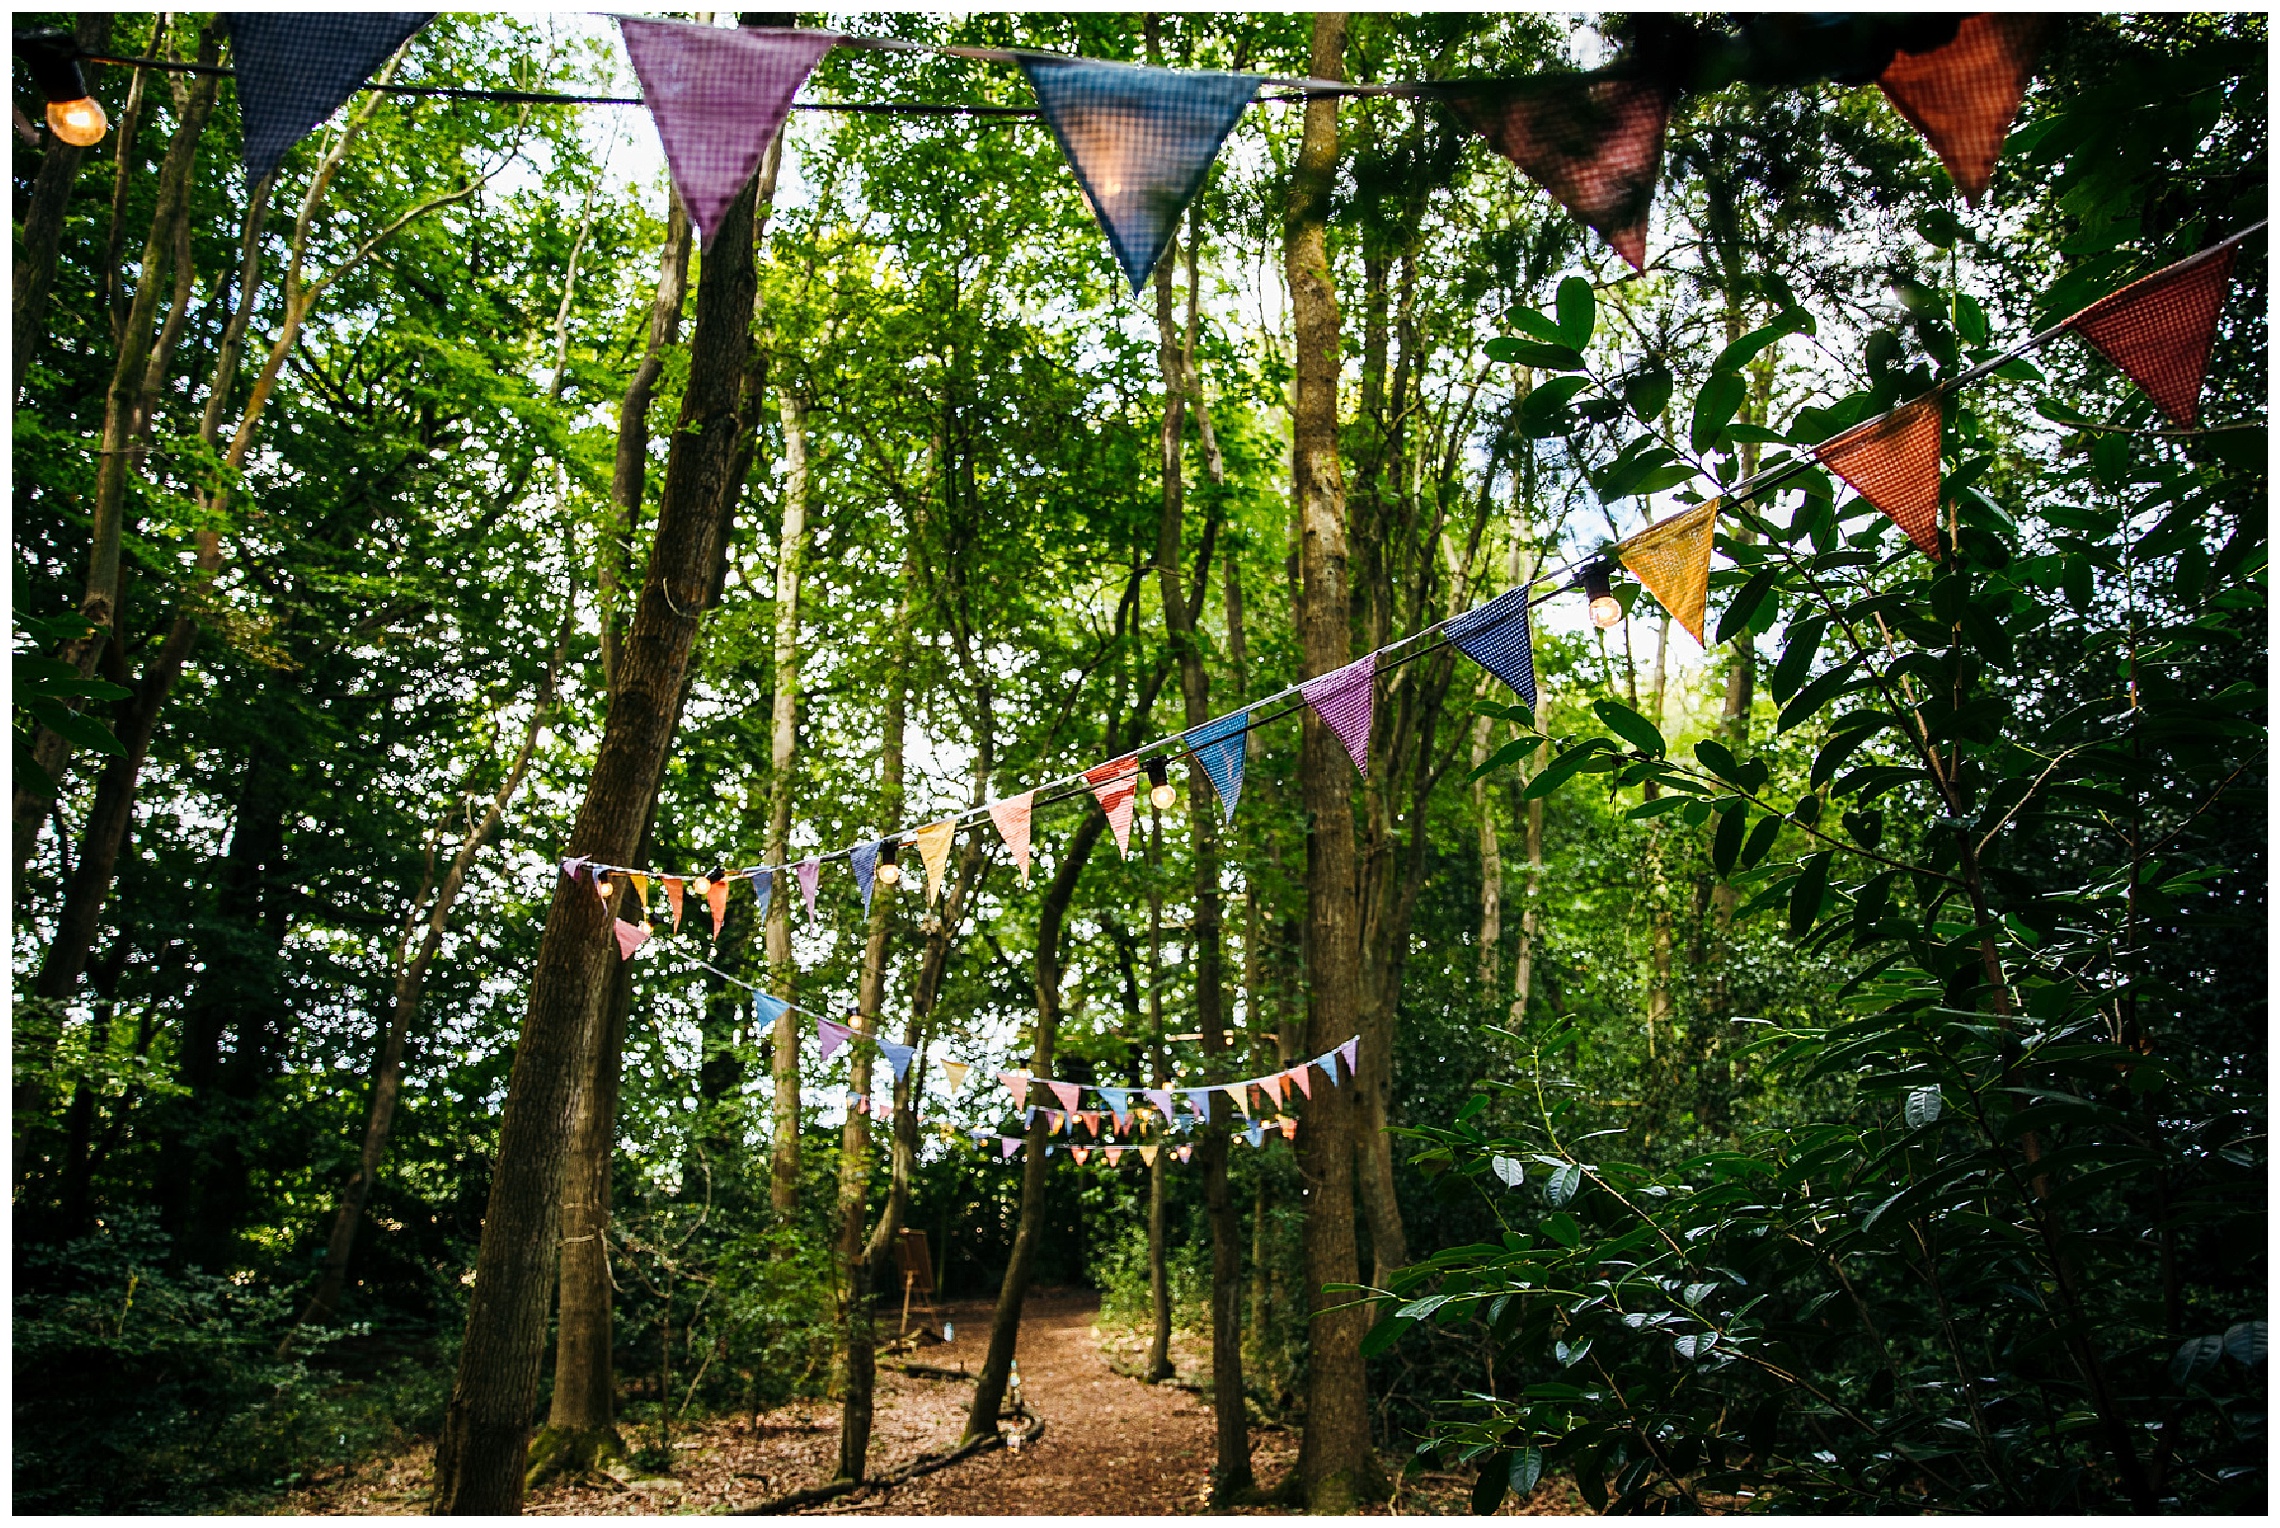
673, 899
1894, 463
1080, 1153
1115, 783
630, 937
1962, 95
1303, 1076
716, 898
2158, 329
1594, 141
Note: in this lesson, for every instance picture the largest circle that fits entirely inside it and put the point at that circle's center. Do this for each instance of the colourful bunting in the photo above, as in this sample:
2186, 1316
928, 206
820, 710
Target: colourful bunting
717, 95
898, 1056
1593, 141
1495, 636
1199, 1099
763, 886
1962, 95
1241, 1093
296, 68
1254, 1132
1894, 463
808, 872
955, 1073
1114, 784
832, 1035
1016, 1083
1220, 746
1012, 818
2158, 329
575, 867
1289, 1128
933, 842
640, 893
1116, 1154
1303, 1075
1081, 1153
716, 898
630, 937
1342, 699
1352, 1051
1672, 558
1007, 1146
767, 1008
602, 886
1066, 1092
673, 895
1274, 1086
1328, 1061
864, 860
1141, 140
1119, 1100
1090, 1118
1054, 1120
1162, 1099
1148, 1155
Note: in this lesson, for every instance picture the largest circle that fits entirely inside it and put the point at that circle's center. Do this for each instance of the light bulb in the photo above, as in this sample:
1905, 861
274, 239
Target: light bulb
1606, 611
80, 123
1598, 584
1162, 797
889, 874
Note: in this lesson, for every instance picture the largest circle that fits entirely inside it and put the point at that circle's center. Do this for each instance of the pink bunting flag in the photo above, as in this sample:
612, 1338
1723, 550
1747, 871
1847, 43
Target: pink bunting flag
1274, 1086
1007, 1146
1162, 1099
630, 937
1012, 818
673, 895
1183, 1152
807, 872
1342, 699
1350, 1050
831, 1035
717, 95
1091, 1118
1016, 1083
1115, 783
1303, 1075
1067, 1092
1289, 1128
1115, 1155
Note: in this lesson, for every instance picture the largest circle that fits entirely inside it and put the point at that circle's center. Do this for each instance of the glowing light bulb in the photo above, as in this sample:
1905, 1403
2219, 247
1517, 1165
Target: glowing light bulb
80, 123
889, 871
1606, 611
1161, 795
1598, 583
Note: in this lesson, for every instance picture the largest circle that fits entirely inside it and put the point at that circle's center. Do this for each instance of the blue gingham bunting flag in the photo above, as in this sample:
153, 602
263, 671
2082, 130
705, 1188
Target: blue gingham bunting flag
295, 68
1495, 636
1220, 747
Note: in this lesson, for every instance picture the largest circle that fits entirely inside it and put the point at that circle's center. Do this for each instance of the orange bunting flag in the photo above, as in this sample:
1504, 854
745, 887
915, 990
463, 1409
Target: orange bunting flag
630, 937
1963, 94
1115, 783
1012, 818
673, 899
716, 898
1594, 142
1894, 463
1301, 1075
933, 843
1081, 1153
1672, 558
1091, 1117
1289, 1128
2158, 329
1068, 1093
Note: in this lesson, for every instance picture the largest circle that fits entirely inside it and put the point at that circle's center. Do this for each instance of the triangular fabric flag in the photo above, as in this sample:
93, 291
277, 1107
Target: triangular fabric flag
1199, 1099
764, 886
1304, 1076
1328, 1061
1220, 746
295, 68
673, 895
1016, 1083
767, 1008
640, 893
1183, 1152
955, 1073
1148, 1154
832, 1034
1049, 1150
630, 937
1672, 558
716, 898
1081, 1153
1162, 1099
898, 1056
603, 886
1255, 1133
1962, 95
1067, 1092
1894, 463
1274, 1086
1241, 1093
1594, 141
1012, 818
1495, 636
1119, 1100
1054, 1119
1115, 1154
808, 872
1342, 699
717, 95
864, 859
933, 842
1007, 1146
1114, 784
1091, 1121
1141, 140
1352, 1050
575, 867
1289, 1128
2158, 329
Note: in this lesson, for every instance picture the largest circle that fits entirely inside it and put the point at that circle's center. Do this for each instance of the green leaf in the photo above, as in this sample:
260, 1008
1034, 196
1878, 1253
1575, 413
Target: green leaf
1745, 350
1726, 845
1544, 411
1760, 841
1418, 1310
2195, 1356
1560, 770
1923, 1106
1563, 1229
2245, 1341
1797, 657
1817, 694
1558, 1190
1514, 350
1631, 727
1527, 1469
1511, 753
1385, 1334
1805, 895
1714, 406
1648, 393
1743, 607
1578, 310
1488, 1491
1536, 324
80, 731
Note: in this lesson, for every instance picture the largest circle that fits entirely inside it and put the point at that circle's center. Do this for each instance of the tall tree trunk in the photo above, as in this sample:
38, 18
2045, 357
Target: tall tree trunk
791, 547
1158, 1366
629, 473
480, 1455
44, 213
1491, 938
1334, 1468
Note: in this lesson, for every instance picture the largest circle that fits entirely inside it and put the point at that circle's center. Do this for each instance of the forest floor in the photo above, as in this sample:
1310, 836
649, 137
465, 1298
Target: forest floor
1110, 1445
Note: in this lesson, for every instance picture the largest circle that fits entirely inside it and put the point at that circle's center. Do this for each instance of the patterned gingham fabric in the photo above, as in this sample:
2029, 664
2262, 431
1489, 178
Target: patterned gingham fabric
764, 887
1114, 784
1963, 95
1342, 698
1495, 636
1672, 559
295, 68
1594, 142
1141, 141
1220, 746
1894, 463
2158, 329
717, 95
863, 859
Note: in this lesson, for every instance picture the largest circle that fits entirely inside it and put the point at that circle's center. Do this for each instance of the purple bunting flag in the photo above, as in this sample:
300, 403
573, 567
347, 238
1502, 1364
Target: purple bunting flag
808, 872
832, 1035
1342, 699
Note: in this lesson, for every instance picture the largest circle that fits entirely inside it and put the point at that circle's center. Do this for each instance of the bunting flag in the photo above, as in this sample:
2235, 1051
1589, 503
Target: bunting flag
1274, 1086
1066, 1092
864, 859
1593, 141
1303, 1075
1141, 140
1119, 1100
630, 937
1495, 636
574, 867
1220, 746
1962, 95
1148, 1155
763, 886
808, 872
716, 898
1012, 818
673, 895
1054, 1120
1081, 1153
1199, 1099
1241, 1093
1162, 1099
1007, 1146
1016, 1083
1894, 463
1328, 1061
767, 1009
1090, 1119
296, 68
2159, 329
1255, 1133
1672, 558
1342, 699
1116, 1154
1289, 1128
1352, 1051
832, 1035
640, 893
717, 95
1183, 1152
933, 842
898, 1056
955, 1072
1114, 784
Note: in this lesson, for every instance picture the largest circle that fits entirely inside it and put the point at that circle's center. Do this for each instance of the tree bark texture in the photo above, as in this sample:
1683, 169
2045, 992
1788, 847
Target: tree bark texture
480, 1455
629, 473
791, 547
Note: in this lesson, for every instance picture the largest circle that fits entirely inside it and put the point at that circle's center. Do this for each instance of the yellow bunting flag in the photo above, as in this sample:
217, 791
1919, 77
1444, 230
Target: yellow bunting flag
673, 899
641, 894
1672, 558
934, 848
1148, 1154
1241, 1093
956, 1072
